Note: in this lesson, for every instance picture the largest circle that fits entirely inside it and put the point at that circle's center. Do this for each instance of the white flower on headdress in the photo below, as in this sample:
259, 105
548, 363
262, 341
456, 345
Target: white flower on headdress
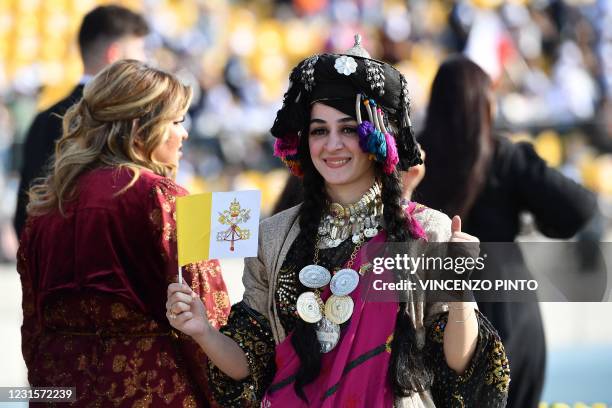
345, 65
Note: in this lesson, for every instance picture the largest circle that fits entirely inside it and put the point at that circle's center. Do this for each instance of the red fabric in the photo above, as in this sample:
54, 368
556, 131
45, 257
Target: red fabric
99, 274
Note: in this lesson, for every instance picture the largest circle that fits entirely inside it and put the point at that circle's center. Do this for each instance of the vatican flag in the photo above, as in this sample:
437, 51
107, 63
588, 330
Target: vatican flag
217, 225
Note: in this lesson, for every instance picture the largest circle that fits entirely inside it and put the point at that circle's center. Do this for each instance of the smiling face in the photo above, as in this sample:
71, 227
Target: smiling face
335, 153
170, 150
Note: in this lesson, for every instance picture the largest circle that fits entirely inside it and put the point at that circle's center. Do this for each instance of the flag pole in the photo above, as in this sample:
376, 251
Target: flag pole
180, 275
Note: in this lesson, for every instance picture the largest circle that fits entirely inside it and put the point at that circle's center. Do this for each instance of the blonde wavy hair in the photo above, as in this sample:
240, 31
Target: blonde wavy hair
123, 117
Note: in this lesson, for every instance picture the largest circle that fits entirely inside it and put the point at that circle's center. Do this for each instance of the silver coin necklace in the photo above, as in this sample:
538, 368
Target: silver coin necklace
338, 308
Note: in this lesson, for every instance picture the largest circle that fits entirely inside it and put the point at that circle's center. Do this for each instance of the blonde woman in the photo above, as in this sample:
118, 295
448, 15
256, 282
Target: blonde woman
99, 250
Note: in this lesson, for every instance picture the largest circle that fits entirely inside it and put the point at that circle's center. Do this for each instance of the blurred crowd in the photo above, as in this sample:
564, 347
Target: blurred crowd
551, 62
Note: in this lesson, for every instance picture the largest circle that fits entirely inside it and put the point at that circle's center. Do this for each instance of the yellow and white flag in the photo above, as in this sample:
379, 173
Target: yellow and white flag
217, 225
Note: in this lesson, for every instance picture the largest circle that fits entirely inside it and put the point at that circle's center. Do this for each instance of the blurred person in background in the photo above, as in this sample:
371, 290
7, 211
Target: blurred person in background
489, 181
99, 249
8, 185
279, 347
107, 34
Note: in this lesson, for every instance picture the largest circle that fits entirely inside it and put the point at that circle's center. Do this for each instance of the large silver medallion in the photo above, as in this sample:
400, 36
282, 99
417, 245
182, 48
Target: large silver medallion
338, 309
344, 282
314, 276
308, 306
328, 334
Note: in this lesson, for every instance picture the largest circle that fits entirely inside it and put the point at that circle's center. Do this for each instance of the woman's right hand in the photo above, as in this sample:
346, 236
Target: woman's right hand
185, 311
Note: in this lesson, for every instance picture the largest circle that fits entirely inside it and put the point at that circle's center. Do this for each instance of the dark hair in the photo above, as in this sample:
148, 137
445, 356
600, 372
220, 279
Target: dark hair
109, 23
292, 195
457, 137
407, 370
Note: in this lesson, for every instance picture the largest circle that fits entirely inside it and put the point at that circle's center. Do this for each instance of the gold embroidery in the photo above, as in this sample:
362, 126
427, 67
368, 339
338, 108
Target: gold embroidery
498, 372
145, 344
189, 402
156, 218
257, 343
108, 370
118, 311
119, 363
213, 269
165, 361
144, 402
169, 232
130, 386
167, 189
221, 300
100, 343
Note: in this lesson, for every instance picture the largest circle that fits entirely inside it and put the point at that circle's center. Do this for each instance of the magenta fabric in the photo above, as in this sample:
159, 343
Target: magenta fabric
416, 230
392, 157
354, 373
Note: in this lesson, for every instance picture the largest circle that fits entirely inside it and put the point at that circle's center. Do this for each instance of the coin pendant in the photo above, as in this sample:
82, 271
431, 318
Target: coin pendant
308, 306
338, 309
328, 334
335, 243
314, 276
370, 232
336, 210
344, 282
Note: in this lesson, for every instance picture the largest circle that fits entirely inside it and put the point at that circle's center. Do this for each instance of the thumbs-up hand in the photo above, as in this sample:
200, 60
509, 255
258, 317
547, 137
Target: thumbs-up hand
459, 236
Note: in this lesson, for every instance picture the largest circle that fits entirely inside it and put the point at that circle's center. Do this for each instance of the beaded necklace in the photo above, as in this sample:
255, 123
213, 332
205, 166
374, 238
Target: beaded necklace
359, 220
363, 222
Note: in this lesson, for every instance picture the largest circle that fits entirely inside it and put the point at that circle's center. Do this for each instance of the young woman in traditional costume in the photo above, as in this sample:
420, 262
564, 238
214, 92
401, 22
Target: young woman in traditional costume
303, 335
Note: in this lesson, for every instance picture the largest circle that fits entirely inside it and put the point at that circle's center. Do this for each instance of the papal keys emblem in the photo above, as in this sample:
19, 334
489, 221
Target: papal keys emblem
232, 218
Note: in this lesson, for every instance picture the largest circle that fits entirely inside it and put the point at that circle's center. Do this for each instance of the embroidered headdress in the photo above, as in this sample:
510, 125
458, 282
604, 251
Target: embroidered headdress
371, 91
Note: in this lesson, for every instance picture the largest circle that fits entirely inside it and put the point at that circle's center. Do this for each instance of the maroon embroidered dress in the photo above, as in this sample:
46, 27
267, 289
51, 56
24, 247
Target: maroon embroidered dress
94, 291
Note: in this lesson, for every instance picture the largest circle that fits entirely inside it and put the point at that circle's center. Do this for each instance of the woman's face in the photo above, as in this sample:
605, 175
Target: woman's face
335, 151
170, 150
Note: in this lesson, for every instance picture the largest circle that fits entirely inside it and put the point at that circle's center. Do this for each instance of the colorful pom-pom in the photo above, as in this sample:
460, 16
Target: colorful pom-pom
286, 146
414, 226
377, 145
364, 130
295, 167
287, 149
392, 157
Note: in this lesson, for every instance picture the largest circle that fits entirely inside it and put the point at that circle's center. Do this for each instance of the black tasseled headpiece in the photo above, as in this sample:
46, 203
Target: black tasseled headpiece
335, 77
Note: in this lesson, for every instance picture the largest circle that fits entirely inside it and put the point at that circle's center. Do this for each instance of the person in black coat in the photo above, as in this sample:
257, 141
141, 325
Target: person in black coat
107, 34
489, 181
